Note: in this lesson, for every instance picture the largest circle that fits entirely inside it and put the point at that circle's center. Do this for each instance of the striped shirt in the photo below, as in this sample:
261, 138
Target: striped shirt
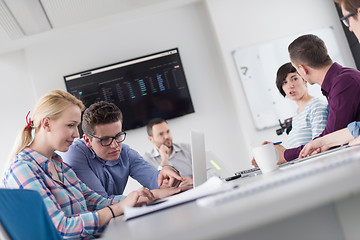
69, 202
309, 123
341, 87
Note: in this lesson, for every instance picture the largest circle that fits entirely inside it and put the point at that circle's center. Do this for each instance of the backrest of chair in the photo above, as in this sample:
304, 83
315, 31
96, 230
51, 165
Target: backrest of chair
24, 216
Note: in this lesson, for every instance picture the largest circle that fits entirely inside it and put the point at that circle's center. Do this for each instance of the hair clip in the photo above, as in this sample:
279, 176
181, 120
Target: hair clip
29, 123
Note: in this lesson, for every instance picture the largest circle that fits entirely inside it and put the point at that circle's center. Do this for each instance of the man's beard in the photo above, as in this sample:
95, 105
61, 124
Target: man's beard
168, 143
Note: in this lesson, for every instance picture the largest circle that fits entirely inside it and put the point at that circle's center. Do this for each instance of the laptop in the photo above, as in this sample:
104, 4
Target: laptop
198, 158
199, 177
216, 167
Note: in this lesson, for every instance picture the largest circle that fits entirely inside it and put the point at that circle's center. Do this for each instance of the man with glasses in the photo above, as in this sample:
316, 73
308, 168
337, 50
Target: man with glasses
351, 17
104, 163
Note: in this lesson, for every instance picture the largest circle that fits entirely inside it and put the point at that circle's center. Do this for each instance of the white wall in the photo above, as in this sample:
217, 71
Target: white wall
17, 98
117, 40
240, 23
206, 34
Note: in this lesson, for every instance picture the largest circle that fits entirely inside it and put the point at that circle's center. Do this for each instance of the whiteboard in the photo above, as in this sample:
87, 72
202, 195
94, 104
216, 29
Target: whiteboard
257, 66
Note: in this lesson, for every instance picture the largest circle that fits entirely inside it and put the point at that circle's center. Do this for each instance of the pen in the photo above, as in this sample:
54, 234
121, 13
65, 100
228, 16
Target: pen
277, 143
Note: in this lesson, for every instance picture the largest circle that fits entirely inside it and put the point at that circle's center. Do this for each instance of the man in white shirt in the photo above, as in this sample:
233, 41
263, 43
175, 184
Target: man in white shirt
165, 152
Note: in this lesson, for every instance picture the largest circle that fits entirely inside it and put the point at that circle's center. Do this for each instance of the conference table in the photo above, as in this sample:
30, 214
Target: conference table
314, 199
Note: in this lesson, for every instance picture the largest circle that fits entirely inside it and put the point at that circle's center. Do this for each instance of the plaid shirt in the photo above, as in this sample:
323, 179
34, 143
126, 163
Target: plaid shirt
70, 203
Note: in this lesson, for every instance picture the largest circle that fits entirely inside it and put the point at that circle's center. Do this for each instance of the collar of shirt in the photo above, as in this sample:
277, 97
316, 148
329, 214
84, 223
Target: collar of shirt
176, 148
327, 83
44, 162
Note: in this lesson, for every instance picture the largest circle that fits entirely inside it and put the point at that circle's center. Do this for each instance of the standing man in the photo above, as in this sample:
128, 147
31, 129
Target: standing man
104, 163
340, 85
166, 153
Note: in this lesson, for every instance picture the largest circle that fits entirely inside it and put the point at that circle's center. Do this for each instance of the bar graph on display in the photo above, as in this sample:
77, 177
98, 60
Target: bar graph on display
146, 87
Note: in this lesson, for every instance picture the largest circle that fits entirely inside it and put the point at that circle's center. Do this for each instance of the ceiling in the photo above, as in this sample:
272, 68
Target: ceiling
23, 19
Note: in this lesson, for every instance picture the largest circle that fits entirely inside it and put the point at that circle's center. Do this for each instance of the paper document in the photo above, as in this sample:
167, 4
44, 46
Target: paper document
213, 185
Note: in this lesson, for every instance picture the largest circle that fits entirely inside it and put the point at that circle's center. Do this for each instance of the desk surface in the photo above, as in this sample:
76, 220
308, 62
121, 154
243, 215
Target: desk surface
190, 221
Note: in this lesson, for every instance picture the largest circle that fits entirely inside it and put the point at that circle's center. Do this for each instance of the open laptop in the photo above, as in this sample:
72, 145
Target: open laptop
199, 177
198, 158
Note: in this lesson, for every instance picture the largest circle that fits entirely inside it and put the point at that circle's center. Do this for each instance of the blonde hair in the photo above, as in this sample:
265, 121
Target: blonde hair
51, 105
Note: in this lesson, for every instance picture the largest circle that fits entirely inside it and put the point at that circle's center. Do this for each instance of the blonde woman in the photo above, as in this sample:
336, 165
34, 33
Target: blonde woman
76, 210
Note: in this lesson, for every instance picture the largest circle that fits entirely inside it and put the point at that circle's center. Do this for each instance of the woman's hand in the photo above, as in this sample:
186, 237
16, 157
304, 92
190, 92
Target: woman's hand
281, 150
135, 198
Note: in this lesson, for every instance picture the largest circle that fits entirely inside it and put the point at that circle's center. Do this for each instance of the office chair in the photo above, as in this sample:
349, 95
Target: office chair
23, 215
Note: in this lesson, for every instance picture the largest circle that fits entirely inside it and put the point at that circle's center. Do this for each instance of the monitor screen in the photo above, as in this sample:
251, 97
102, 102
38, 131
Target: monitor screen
143, 88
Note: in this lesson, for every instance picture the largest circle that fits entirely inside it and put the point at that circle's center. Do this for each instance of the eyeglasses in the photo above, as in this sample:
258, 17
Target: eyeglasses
107, 141
345, 19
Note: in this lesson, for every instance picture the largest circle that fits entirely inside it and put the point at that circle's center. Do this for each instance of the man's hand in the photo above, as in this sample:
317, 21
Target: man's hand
169, 177
313, 147
186, 181
165, 192
354, 142
322, 144
164, 154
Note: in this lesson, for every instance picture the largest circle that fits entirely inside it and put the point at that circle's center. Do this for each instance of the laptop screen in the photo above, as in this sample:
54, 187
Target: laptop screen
198, 158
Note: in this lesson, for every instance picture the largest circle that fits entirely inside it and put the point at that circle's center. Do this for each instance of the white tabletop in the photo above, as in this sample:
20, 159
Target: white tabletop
305, 191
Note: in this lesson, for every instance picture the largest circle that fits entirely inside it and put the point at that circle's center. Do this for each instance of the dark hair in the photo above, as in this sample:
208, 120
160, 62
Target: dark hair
281, 75
153, 122
309, 50
349, 5
100, 113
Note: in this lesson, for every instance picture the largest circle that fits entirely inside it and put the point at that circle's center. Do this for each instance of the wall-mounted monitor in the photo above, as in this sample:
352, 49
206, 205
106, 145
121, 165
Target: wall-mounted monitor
143, 88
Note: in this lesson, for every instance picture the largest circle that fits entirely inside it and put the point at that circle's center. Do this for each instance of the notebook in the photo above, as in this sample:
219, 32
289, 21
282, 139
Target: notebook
198, 158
